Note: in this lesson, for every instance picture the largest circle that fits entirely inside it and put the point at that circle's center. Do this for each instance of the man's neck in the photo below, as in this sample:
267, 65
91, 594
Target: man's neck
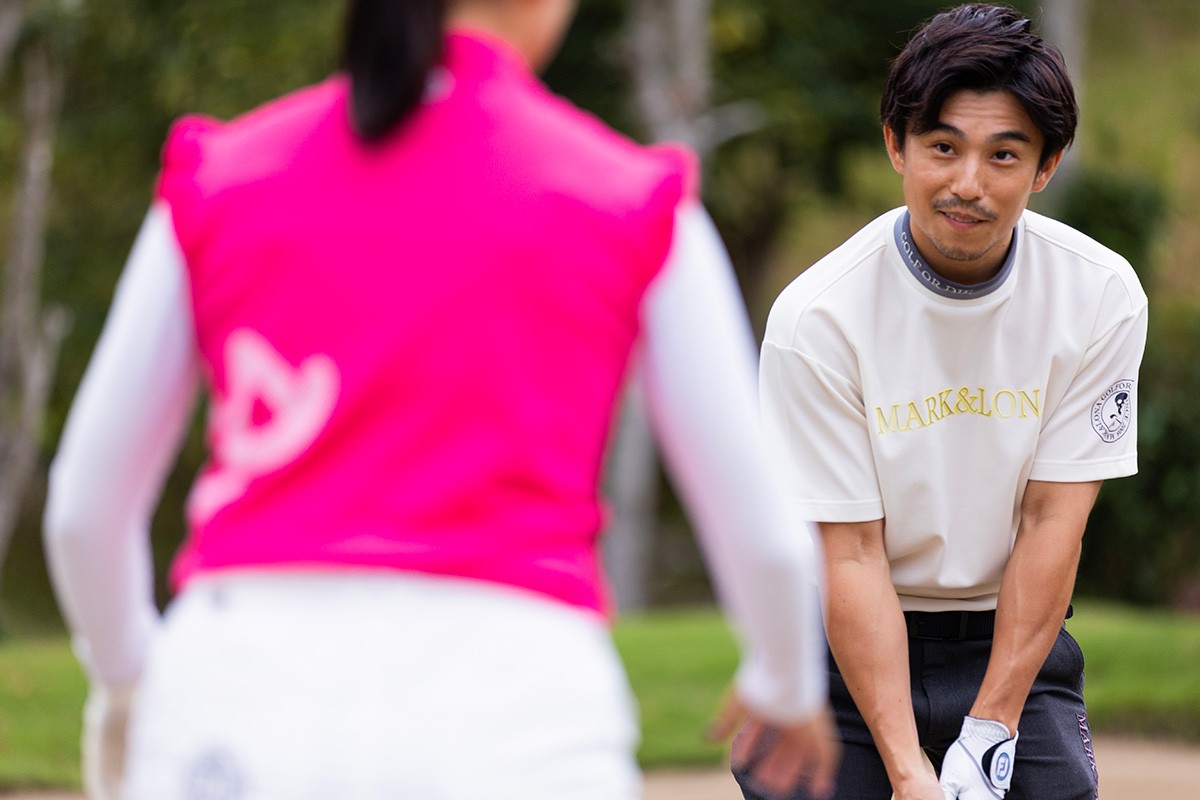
949, 285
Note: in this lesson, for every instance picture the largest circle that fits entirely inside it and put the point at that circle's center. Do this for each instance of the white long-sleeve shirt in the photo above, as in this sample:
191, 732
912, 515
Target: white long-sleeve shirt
132, 410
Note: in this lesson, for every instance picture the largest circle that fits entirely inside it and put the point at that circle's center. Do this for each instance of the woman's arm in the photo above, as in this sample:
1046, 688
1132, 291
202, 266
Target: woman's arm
700, 372
121, 437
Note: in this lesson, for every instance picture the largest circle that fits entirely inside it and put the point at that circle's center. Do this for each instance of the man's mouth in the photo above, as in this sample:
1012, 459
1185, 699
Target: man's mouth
965, 216
961, 218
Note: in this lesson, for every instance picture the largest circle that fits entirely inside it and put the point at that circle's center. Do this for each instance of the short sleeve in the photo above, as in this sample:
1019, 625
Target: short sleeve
816, 429
1092, 433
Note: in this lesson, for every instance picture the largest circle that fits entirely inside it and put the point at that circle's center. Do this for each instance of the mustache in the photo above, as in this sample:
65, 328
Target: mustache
966, 207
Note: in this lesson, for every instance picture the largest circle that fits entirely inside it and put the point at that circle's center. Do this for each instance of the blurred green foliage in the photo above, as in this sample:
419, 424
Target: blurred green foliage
136, 65
1143, 539
1122, 212
813, 70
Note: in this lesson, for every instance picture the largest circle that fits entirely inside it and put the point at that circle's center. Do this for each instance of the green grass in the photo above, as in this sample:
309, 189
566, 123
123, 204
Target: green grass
41, 699
1143, 669
1143, 673
679, 664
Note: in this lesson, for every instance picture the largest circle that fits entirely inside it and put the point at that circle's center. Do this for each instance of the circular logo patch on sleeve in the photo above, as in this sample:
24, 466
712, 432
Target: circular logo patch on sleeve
1112, 414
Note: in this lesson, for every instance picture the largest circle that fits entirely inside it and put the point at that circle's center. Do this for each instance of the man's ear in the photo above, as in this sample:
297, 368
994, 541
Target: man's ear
895, 149
1046, 171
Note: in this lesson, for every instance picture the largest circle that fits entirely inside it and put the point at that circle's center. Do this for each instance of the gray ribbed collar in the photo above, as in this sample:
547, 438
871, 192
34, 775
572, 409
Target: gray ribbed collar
935, 282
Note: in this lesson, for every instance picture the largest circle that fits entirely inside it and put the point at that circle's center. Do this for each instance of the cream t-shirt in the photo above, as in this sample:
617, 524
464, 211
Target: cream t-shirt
889, 392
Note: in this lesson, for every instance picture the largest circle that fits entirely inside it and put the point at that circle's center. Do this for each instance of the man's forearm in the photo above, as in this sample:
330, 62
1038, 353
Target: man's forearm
1033, 600
1034, 595
866, 632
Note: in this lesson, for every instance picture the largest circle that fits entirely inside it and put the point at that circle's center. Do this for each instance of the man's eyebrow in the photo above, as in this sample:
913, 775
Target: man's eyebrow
1002, 136
1009, 136
946, 127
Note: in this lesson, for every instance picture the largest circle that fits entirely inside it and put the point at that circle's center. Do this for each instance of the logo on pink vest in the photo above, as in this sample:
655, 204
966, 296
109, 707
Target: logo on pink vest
269, 414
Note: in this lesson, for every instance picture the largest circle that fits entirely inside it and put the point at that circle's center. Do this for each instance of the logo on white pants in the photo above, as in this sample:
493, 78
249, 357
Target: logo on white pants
214, 775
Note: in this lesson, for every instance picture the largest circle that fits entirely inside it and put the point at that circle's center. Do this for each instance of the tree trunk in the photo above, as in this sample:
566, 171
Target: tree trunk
668, 41
671, 80
633, 495
29, 339
12, 15
1064, 25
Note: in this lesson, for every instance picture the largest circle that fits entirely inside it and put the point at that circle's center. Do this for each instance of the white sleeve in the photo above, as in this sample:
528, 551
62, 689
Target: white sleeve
700, 381
121, 437
819, 436
1092, 433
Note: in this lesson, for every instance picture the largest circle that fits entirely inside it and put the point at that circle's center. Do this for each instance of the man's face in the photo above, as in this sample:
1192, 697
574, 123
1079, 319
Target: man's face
967, 181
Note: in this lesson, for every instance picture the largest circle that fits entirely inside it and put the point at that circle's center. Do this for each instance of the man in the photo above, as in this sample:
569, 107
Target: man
947, 391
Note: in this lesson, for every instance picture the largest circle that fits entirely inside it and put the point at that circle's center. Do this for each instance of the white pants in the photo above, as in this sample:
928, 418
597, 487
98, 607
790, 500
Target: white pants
340, 687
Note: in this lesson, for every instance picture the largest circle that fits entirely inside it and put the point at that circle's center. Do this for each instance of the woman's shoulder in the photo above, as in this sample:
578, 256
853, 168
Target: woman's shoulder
290, 116
577, 145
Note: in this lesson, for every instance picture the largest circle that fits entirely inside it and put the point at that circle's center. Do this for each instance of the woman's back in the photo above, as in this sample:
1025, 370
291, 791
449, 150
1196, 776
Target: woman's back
452, 310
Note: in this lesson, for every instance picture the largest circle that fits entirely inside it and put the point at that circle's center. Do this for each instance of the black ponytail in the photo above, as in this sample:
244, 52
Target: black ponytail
390, 46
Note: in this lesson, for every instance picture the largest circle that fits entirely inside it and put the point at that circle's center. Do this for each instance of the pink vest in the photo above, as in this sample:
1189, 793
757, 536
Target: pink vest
414, 350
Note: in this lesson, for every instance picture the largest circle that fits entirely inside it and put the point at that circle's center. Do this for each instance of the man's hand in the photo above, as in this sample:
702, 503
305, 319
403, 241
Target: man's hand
781, 758
920, 785
105, 726
978, 766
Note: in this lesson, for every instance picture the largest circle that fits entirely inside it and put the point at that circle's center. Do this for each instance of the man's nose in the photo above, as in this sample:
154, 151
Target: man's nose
967, 182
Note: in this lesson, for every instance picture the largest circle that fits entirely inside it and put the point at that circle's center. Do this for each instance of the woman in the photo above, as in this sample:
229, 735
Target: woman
412, 293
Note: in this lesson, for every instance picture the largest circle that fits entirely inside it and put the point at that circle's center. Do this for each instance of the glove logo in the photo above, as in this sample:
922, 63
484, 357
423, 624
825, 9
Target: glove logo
997, 762
1002, 766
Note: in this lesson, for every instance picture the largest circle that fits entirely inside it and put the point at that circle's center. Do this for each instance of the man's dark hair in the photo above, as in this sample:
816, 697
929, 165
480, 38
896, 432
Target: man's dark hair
982, 48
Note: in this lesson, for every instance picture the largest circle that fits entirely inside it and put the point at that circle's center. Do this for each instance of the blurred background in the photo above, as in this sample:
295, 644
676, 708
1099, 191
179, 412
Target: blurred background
781, 99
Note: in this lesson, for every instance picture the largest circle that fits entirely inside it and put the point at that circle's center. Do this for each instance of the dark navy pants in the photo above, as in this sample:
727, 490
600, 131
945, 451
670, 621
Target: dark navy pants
1054, 759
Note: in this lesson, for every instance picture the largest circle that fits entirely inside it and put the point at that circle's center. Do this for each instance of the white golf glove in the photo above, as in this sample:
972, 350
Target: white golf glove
979, 765
105, 725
